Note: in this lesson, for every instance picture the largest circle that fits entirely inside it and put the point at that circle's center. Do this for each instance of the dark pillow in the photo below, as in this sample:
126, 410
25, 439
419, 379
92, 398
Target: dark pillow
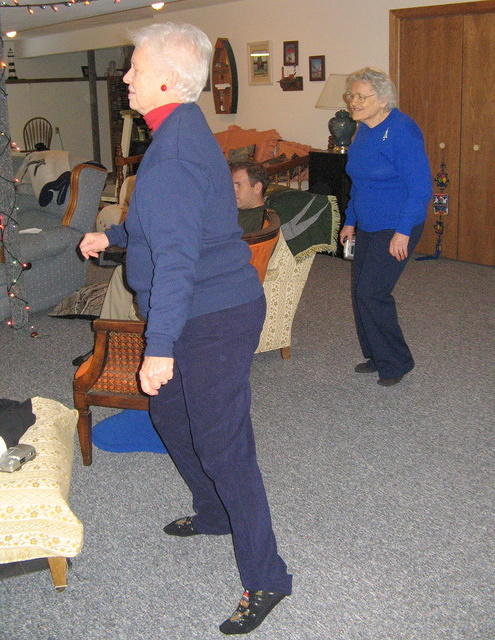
242, 154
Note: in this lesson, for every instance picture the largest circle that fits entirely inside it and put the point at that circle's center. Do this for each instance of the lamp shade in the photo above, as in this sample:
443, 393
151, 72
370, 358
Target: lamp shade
332, 94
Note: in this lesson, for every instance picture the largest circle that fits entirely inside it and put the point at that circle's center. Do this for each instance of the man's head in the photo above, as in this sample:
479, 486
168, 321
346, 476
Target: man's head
250, 183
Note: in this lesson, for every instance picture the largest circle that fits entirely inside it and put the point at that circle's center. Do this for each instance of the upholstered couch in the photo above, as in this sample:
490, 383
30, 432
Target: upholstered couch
262, 146
55, 268
238, 144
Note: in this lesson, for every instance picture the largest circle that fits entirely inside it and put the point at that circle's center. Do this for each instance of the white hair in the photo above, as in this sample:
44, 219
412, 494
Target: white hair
182, 48
379, 80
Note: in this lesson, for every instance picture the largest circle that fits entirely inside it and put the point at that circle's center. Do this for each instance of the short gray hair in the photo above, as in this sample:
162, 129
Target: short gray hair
182, 48
379, 80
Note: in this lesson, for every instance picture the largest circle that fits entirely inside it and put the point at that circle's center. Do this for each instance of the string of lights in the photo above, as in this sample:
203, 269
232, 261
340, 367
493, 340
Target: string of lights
31, 6
9, 229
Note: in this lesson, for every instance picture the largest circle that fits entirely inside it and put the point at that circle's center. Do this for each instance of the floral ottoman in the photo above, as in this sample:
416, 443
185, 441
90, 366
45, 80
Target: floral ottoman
35, 518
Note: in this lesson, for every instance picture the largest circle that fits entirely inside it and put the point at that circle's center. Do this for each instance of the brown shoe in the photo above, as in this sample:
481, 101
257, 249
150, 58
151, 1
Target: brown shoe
365, 367
389, 382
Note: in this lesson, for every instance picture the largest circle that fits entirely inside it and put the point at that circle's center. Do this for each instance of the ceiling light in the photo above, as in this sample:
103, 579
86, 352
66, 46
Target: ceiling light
158, 5
11, 34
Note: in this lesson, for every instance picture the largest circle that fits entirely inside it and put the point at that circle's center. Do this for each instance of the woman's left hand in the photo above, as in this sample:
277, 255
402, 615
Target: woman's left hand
155, 371
398, 246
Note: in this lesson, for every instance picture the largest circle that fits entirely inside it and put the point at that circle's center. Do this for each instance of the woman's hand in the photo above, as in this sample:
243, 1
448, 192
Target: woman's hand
347, 231
92, 243
398, 246
155, 371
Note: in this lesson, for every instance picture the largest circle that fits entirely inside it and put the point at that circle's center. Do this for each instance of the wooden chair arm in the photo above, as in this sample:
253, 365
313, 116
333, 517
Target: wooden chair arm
75, 177
270, 229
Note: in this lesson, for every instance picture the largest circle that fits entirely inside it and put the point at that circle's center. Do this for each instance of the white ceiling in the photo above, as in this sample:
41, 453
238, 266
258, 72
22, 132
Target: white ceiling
80, 15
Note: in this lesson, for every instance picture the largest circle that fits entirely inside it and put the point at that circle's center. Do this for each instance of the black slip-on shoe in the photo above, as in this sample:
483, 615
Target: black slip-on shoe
253, 608
365, 367
77, 362
183, 527
389, 382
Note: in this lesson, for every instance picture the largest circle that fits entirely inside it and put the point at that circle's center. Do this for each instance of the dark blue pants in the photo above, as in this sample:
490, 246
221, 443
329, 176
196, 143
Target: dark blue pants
374, 275
203, 417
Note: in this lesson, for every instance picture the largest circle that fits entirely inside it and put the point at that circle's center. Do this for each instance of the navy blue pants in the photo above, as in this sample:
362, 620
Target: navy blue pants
203, 417
374, 275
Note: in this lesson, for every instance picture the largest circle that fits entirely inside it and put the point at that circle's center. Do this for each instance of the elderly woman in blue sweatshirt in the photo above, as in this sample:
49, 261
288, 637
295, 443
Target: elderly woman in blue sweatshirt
391, 188
204, 307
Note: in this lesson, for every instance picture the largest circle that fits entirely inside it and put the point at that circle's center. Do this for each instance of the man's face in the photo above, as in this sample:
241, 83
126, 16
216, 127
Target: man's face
247, 196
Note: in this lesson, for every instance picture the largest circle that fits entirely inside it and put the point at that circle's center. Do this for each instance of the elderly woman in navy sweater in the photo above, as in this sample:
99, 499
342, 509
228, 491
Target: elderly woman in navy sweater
391, 188
204, 307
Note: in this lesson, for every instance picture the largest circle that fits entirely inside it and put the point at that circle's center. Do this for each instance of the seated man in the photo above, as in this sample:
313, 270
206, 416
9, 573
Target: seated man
250, 182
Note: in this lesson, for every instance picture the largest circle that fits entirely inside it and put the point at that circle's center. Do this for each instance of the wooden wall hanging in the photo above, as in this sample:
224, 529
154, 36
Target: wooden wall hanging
292, 82
224, 77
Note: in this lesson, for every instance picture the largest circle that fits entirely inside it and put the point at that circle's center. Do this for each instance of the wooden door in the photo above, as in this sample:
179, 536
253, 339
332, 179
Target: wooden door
429, 86
443, 61
476, 237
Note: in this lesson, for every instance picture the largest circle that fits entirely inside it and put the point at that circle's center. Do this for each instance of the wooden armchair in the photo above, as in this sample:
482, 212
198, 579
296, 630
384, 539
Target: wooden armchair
109, 378
124, 166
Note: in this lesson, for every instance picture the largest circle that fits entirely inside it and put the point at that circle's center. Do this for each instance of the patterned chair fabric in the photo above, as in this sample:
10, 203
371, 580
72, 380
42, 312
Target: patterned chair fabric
35, 518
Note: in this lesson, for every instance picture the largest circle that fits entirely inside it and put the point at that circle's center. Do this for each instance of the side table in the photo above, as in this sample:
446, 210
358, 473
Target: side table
327, 176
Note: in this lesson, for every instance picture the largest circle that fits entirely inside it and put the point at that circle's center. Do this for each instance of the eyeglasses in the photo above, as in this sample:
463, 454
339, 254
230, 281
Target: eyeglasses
357, 96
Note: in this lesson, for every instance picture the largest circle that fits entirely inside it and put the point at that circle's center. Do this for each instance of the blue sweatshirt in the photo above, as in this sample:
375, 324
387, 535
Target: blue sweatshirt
391, 178
185, 256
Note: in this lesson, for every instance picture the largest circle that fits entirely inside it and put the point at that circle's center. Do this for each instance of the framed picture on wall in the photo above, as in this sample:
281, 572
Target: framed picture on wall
259, 63
317, 68
291, 53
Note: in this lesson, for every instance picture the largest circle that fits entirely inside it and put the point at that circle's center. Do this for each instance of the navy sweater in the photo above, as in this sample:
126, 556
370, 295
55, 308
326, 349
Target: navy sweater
391, 179
185, 255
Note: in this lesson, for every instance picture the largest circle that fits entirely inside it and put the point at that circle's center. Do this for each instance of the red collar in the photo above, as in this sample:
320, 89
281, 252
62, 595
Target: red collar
155, 117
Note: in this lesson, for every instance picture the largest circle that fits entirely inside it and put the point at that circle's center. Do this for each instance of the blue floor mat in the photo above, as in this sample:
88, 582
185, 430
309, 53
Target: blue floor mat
129, 430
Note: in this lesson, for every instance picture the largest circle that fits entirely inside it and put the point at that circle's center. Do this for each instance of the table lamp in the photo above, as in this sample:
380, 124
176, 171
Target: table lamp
341, 125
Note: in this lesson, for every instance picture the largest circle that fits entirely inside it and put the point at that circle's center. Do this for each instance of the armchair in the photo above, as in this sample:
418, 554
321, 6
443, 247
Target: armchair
56, 268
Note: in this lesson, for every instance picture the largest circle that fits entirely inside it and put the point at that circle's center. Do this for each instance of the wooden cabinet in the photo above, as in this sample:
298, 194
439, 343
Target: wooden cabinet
443, 61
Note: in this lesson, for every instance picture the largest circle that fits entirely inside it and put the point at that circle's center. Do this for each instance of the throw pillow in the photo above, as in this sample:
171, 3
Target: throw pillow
242, 154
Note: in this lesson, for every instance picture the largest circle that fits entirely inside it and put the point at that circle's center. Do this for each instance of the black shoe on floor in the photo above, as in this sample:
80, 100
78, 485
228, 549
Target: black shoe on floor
77, 362
389, 382
183, 527
365, 367
253, 608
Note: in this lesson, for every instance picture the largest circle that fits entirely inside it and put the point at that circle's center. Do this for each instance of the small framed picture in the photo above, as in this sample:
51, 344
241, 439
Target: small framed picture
291, 53
259, 63
317, 68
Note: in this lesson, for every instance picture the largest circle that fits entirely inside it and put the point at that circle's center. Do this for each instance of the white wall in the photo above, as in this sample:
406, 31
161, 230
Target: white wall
350, 33
65, 104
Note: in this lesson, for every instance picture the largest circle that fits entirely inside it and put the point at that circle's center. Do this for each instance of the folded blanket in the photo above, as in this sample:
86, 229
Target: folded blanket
309, 222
